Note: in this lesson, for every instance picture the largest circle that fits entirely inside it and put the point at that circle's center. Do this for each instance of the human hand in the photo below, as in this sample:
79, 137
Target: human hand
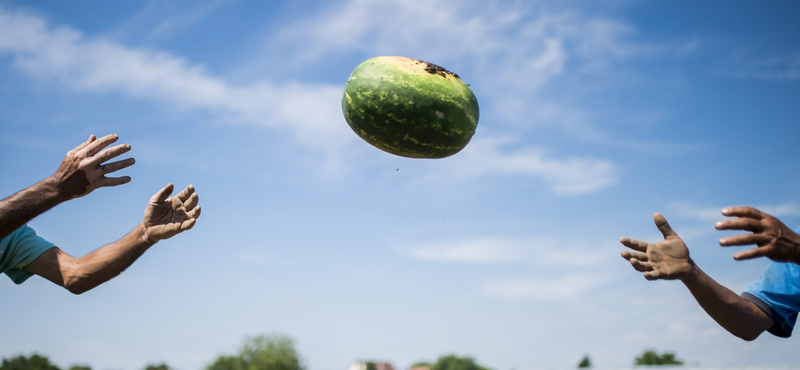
82, 170
771, 236
164, 218
667, 259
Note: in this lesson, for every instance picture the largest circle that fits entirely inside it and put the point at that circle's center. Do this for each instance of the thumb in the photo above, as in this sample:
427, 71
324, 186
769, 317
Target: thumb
162, 194
663, 226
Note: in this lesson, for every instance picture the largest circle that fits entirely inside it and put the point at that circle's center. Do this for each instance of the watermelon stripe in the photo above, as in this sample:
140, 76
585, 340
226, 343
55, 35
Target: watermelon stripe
396, 105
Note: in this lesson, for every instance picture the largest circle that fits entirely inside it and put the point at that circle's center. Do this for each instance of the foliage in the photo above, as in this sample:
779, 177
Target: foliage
227, 363
80, 367
585, 363
650, 357
261, 353
35, 362
161, 366
452, 362
422, 364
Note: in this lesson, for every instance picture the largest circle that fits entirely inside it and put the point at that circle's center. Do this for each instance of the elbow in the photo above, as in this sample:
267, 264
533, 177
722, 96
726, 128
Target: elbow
749, 338
77, 281
748, 335
77, 287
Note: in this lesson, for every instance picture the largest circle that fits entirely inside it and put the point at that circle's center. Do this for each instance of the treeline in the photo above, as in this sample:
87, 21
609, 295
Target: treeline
277, 352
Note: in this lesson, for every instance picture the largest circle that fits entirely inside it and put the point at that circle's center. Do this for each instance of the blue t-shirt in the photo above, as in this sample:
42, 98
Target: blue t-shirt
18, 249
777, 292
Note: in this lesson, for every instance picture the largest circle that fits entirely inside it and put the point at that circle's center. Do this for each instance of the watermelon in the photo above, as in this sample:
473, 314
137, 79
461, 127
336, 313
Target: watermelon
409, 107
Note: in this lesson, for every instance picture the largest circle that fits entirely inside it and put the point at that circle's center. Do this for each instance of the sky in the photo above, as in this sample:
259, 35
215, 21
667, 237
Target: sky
593, 117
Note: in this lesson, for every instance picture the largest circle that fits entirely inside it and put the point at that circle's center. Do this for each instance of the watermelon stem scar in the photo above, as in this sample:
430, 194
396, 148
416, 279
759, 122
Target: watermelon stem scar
437, 70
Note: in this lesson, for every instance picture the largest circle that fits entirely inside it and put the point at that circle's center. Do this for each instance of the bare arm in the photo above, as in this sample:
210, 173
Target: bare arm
669, 260
81, 171
163, 219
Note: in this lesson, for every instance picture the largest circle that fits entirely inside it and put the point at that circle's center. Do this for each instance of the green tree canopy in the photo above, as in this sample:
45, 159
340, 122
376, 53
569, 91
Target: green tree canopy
585, 363
161, 366
35, 362
80, 367
453, 362
651, 357
273, 352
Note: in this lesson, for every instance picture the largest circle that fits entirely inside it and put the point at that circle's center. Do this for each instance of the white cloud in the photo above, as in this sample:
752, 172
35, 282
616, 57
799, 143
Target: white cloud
710, 213
508, 51
781, 210
566, 287
484, 250
570, 176
311, 112
779, 68
541, 252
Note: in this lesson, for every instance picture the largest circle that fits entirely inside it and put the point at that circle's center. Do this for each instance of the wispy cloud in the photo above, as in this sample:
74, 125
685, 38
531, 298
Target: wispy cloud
310, 112
711, 213
557, 269
776, 68
504, 250
570, 176
566, 287
160, 20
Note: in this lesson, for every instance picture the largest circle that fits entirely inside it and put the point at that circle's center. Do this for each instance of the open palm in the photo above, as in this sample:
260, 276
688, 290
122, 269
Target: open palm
667, 259
165, 217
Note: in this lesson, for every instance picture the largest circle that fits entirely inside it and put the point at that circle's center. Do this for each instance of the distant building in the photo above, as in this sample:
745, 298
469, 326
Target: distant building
371, 365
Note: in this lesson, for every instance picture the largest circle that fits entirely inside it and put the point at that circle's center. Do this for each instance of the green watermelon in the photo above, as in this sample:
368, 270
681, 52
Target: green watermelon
409, 107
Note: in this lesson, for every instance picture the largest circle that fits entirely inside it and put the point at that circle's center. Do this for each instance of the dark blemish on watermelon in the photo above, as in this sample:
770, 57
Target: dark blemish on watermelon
437, 70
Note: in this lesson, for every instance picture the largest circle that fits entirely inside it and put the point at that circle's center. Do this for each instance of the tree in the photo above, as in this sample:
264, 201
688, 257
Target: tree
80, 367
35, 362
273, 352
453, 362
227, 363
585, 363
651, 357
161, 366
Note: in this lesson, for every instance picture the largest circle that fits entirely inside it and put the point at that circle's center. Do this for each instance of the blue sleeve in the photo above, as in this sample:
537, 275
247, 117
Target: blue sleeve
18, 249
777, 292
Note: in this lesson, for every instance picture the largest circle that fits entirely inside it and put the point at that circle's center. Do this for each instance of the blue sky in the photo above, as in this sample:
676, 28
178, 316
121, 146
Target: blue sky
593, 117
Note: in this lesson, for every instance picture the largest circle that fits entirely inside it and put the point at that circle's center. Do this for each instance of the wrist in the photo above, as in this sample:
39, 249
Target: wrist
144, 236
692, 273
53, 189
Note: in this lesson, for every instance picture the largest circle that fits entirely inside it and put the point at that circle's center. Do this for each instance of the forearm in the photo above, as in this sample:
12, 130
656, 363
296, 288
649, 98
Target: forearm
107, 262
734, 313
26, 204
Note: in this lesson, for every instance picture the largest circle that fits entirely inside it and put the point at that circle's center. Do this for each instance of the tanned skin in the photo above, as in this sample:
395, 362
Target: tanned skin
772, 238
163, 218
669, 260
82, 171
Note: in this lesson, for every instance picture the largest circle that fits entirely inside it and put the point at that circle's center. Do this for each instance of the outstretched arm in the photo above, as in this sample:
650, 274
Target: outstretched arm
771, 236
669, 260
81, 171
164, 218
